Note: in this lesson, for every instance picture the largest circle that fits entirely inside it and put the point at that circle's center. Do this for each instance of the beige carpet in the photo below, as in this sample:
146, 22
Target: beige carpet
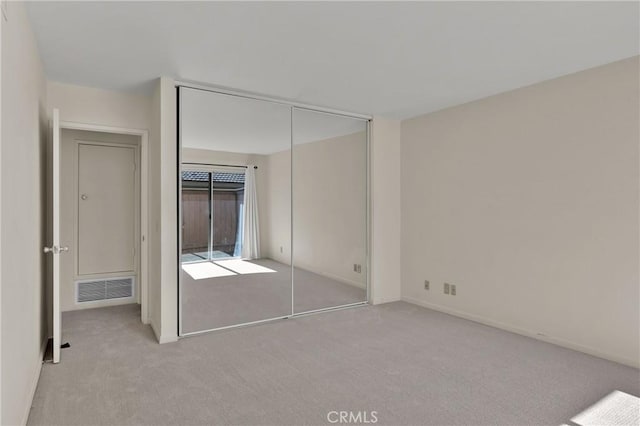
262, 294
411, 365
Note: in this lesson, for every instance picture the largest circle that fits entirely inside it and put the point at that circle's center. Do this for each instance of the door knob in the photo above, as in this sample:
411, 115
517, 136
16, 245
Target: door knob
84, 196
55, 249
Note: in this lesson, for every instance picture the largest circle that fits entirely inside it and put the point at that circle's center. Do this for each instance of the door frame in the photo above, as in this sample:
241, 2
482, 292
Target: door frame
144, 202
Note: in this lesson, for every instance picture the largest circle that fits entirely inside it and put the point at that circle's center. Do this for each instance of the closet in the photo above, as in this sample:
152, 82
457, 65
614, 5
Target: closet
273, 209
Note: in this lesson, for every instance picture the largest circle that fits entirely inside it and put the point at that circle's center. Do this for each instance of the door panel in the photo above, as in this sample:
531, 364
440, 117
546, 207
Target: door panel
225, 221
236, 139
106, 209
195, 221
54, 249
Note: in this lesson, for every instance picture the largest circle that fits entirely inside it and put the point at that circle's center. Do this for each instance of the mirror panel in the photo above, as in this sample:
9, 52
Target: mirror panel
235, 210
329, 210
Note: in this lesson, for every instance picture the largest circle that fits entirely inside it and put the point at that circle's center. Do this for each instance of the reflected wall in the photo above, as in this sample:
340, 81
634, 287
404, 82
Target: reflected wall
329, 210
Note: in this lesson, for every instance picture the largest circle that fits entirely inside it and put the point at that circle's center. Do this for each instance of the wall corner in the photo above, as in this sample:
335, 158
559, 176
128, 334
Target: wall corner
385, 210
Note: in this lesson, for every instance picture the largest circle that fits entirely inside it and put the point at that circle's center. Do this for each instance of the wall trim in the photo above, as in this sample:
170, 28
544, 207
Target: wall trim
382, 300
155, 329
167, 339
159, 337
34, 381
524, 332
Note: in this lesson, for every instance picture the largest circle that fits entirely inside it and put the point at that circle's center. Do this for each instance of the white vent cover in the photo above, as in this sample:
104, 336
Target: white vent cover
104, 289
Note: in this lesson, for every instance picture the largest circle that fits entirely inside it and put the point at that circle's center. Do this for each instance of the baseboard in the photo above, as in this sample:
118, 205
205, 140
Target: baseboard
167, 339
524, 332
155, 329
383, 300
162, 339
34, 381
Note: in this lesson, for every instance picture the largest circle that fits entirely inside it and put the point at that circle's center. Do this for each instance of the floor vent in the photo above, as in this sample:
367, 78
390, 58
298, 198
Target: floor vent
107, 289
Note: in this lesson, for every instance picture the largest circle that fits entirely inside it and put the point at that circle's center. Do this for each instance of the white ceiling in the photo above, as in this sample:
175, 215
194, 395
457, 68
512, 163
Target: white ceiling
397, 59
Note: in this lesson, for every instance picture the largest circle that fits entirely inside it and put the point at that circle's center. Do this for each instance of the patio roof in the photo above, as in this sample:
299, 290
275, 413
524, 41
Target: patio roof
223, 177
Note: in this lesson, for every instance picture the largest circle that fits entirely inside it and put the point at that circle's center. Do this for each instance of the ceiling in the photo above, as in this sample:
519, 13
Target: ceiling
396, 59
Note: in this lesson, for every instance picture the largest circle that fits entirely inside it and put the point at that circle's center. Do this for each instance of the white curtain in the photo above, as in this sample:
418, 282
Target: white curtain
250, 228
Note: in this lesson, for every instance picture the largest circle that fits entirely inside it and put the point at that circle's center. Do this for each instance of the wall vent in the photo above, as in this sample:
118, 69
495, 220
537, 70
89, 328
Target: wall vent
104, 289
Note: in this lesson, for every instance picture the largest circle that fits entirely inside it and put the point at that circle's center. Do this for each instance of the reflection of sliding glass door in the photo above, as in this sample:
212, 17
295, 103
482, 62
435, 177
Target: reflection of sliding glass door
227, 197
196, 214
211, 215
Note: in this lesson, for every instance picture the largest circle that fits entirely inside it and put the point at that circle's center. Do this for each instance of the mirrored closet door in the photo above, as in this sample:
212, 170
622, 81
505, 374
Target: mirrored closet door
235, 208
329, 210
273, 210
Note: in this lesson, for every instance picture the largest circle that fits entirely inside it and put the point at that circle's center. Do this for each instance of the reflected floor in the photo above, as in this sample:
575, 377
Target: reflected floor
228, 292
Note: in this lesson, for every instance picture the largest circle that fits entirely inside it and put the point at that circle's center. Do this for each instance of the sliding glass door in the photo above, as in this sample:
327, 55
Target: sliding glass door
196, 214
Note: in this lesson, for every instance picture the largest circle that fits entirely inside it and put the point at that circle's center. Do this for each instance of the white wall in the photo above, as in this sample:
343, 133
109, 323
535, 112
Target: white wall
385, 210
23, 194
154, 225
96, 106
164, 171
528, 202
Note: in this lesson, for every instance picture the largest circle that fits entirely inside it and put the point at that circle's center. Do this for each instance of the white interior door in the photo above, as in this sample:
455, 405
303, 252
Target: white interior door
106, 209
55, 250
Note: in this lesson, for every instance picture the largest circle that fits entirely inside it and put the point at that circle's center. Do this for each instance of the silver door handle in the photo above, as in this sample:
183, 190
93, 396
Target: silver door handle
84, 196
55, 249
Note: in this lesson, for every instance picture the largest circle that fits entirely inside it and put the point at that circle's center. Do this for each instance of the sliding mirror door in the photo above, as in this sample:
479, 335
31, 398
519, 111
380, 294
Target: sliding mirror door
235, 209
330, 160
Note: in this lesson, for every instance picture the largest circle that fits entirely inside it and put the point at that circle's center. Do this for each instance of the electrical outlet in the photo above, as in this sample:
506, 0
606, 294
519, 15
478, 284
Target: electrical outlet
446, 288
281, 249
426, 284
359, 268
453, 289
355, 267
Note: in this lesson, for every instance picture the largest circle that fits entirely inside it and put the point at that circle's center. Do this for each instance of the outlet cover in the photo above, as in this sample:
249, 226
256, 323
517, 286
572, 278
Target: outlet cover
446, 288
426, 284
453, 289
